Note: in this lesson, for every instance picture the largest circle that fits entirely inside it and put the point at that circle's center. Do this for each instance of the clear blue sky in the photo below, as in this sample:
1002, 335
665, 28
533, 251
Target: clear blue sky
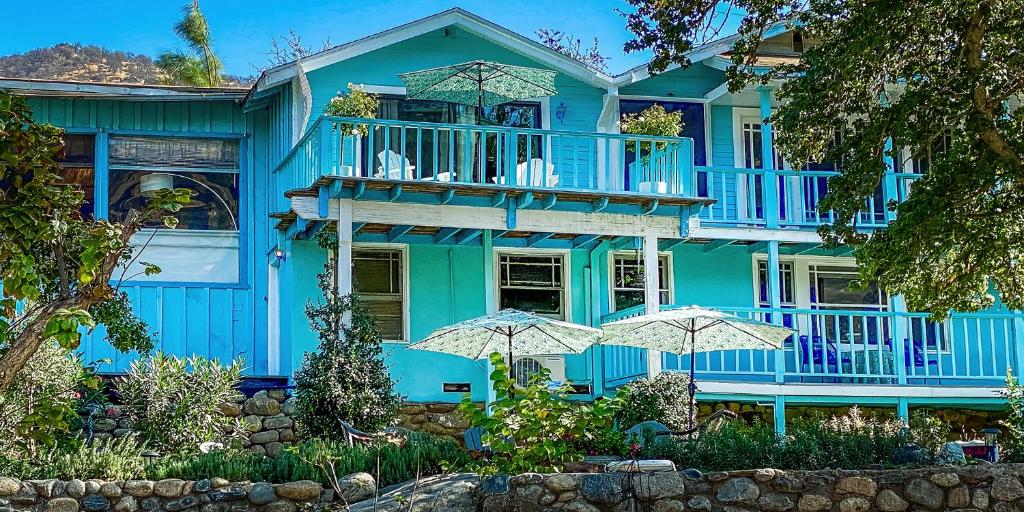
242, 29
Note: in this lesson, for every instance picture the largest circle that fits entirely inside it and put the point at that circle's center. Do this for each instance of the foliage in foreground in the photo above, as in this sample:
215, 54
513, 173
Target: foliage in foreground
422, 455
58, 268
346, 377
115, 459
944, 89
538, 428
174, 403
665, 399
39, 409
853, 441
1012, 441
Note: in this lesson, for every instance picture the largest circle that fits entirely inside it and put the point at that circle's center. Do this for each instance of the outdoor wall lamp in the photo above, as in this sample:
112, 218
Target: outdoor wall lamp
280, 255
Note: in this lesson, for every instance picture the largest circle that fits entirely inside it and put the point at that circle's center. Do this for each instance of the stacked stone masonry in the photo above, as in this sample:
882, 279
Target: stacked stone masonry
996, 488
171, 495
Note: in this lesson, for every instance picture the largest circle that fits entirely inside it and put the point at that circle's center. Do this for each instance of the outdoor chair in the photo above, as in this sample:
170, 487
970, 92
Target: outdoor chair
536, 173
915, 356
474, 442
353, 435
398, 168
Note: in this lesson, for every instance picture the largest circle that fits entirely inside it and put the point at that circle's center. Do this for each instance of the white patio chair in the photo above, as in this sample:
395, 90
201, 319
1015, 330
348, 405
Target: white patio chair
397, 169
535, 173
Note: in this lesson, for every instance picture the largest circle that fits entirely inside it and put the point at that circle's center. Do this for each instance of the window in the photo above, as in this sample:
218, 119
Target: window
139, 166
377, 279
798, 42
922, 160
77, 162
628, 280
532, 283
830, 289
786, 297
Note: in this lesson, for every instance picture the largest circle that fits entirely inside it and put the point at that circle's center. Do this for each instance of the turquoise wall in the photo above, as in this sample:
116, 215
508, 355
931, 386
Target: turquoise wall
446, 285
185, 318
693, 82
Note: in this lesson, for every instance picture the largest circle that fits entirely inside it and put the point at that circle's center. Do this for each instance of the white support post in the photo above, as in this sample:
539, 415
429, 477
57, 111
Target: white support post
344, 262
652, 296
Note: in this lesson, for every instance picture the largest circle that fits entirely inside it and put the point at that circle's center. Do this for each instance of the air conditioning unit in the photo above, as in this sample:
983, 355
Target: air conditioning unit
525, 367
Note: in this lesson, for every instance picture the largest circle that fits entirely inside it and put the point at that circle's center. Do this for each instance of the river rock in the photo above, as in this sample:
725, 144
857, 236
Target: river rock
303, 490
925, 493
356, 487
889, 501
739, 490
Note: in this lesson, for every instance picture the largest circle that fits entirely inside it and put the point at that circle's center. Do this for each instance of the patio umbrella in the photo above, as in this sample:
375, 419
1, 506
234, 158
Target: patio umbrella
691, 330
479, 83
510, 331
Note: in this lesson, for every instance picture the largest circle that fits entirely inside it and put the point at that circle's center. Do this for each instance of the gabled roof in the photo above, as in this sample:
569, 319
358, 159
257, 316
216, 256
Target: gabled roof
58, 88
709, 50
457, 17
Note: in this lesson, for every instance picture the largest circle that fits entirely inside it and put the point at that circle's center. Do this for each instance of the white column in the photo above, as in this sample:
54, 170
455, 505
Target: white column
344, 261
652, 296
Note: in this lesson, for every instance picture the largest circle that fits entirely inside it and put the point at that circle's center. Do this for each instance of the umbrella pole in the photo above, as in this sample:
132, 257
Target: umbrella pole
693, 366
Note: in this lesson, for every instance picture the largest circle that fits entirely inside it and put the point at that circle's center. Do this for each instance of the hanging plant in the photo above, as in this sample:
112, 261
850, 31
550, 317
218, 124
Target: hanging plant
356, 103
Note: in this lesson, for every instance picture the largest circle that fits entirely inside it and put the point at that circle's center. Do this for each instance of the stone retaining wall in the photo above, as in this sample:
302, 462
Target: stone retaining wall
969, 488
172, 495
440, 419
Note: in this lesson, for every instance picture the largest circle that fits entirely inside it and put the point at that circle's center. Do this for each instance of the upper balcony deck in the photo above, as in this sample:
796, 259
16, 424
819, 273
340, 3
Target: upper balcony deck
493, 156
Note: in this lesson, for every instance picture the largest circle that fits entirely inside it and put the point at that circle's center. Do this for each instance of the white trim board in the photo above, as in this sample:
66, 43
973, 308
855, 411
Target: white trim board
452, 17
404, 250
840, 390
475, 217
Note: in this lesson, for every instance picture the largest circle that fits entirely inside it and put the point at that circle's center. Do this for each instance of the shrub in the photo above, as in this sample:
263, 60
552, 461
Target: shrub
113, 459
929, 432
536, 428
665, 399
346, 377
853, 441
422, 455
39, 409
174, 402
1012, 444
356, 103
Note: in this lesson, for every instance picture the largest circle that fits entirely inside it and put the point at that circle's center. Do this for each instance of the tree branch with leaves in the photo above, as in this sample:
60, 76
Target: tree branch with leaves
56, 267
933, 81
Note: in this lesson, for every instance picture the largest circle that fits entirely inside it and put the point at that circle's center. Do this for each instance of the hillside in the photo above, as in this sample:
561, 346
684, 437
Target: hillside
78, 62
87, 63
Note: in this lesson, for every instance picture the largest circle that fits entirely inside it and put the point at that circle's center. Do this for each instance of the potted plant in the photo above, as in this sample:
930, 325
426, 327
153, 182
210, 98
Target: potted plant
653, 121
356, 103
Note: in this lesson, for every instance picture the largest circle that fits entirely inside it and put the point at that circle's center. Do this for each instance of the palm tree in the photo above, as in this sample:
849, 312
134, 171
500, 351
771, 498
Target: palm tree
200, 67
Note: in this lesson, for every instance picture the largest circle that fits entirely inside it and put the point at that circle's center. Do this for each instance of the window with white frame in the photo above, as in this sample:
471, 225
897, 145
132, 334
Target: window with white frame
532, 282
378, 281
921, 161
786, 296
628, 280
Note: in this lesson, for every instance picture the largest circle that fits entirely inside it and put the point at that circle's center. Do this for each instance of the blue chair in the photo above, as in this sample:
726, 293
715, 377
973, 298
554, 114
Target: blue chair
914, 357
816, 353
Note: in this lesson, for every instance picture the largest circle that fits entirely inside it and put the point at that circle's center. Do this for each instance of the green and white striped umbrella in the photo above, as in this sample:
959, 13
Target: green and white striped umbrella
691, 330
694, 329
512, 332
479, 83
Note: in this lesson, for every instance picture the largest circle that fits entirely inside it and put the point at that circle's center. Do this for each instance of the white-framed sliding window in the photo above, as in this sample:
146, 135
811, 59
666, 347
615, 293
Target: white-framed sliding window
380, 278
626, 279
534, 281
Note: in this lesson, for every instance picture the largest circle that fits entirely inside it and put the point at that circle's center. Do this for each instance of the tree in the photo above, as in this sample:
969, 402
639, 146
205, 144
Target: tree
200, 67
346, 377
941, 78
290, 47
56, 267
572, 47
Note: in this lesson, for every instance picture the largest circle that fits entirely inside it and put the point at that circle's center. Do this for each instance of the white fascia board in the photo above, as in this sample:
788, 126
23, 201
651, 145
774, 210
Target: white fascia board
111, 91
476, 217
457, 17
755, 234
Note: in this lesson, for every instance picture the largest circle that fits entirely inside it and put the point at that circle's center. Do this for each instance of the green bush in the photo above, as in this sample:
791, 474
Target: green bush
174, 403
346, 377
422, 454
115, 459
356, 103
38, 410
844, 442
536, 428
1012, 442
664, 399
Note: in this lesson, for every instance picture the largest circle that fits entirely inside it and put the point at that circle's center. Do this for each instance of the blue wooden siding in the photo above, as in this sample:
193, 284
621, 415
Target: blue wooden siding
185, 318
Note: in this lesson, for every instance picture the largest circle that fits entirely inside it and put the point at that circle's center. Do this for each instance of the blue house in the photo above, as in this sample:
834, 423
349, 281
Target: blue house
444, 213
